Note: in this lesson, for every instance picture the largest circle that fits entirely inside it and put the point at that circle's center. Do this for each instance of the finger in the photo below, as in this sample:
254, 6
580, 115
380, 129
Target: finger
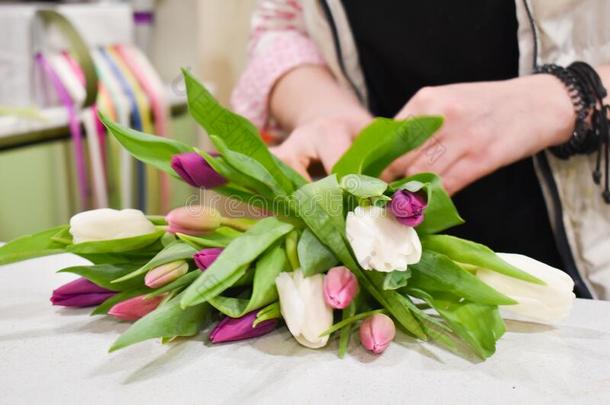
331, 148
435, 156
464, 172
298, 163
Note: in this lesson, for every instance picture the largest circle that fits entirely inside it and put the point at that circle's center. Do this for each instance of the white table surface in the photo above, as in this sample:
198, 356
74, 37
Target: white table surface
51, 355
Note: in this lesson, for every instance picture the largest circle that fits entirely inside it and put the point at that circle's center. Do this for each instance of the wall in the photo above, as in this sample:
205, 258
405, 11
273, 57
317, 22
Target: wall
209, 36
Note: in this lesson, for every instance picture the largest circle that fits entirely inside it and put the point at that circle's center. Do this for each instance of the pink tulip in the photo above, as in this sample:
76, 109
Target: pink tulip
135, 308
376, 333
193, 220
340, 287
165, 274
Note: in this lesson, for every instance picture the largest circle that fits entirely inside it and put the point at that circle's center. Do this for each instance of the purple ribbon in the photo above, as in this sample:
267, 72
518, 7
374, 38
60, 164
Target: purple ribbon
75, 130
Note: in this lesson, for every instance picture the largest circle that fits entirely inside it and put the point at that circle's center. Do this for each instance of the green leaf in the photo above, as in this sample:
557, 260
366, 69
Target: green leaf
440, 214
324, 195
465, 251
249, 167
116, 245
271, 311
437, 273
153, 150
313, 255
140, 257
103, 274
237, 132
235, 259
236, 177
219, 238
296, 179
479, 325
396, 279
363, 186
382, 142
271, 263
171, 253
104, 307
63, 237
167, 321
30, 246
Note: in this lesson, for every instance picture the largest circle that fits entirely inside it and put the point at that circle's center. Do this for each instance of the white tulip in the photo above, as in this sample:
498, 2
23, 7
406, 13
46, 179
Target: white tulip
303, 307
107, 223
380, 242
548, 303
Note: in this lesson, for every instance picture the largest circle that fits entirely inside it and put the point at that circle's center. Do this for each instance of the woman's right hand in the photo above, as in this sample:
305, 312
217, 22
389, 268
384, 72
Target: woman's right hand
322, 140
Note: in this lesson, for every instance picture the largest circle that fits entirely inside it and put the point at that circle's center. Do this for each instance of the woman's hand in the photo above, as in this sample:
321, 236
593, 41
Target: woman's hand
322, 140
487, 125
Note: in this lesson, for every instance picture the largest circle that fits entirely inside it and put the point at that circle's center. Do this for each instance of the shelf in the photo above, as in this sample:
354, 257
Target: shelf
16, 132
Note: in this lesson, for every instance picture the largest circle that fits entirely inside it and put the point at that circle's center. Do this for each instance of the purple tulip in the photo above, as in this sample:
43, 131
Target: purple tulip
80, 293
231, 329
408, 207
194, 170
205, 257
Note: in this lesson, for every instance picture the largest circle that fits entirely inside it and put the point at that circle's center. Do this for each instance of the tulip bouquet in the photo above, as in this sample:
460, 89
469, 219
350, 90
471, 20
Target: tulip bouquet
345, 252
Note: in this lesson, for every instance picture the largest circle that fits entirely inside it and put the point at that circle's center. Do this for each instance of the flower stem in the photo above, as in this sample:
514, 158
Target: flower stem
291, 249
241, 224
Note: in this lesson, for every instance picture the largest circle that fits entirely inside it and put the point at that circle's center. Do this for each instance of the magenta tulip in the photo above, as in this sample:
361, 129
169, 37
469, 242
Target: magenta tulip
194, 170
340, 287
80, 293
205, 257
231, 329
408, 207
135, 308
376, 333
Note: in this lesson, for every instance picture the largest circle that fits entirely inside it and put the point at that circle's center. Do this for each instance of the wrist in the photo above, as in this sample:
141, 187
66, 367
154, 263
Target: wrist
556, 112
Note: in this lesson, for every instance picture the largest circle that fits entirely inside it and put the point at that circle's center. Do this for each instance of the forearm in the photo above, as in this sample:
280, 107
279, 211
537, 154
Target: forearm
308, 93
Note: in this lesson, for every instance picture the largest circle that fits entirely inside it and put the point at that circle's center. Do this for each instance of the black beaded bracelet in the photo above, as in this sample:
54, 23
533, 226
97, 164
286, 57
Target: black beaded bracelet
587, 93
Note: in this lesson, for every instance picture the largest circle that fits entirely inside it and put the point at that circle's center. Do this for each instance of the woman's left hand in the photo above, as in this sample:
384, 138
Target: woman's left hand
487, 125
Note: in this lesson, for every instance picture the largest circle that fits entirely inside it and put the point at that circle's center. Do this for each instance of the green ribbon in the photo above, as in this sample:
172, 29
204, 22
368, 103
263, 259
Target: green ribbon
78, 48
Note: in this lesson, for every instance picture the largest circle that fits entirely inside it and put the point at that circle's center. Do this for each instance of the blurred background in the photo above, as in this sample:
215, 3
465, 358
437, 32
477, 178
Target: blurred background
137, 49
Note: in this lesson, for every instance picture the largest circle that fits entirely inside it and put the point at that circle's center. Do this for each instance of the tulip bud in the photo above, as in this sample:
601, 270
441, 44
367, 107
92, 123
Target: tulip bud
193, 220
194, 170
408, 207
166, 273
376, 333
80, 293
340, 287
231, 329
205, 257
135, 308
